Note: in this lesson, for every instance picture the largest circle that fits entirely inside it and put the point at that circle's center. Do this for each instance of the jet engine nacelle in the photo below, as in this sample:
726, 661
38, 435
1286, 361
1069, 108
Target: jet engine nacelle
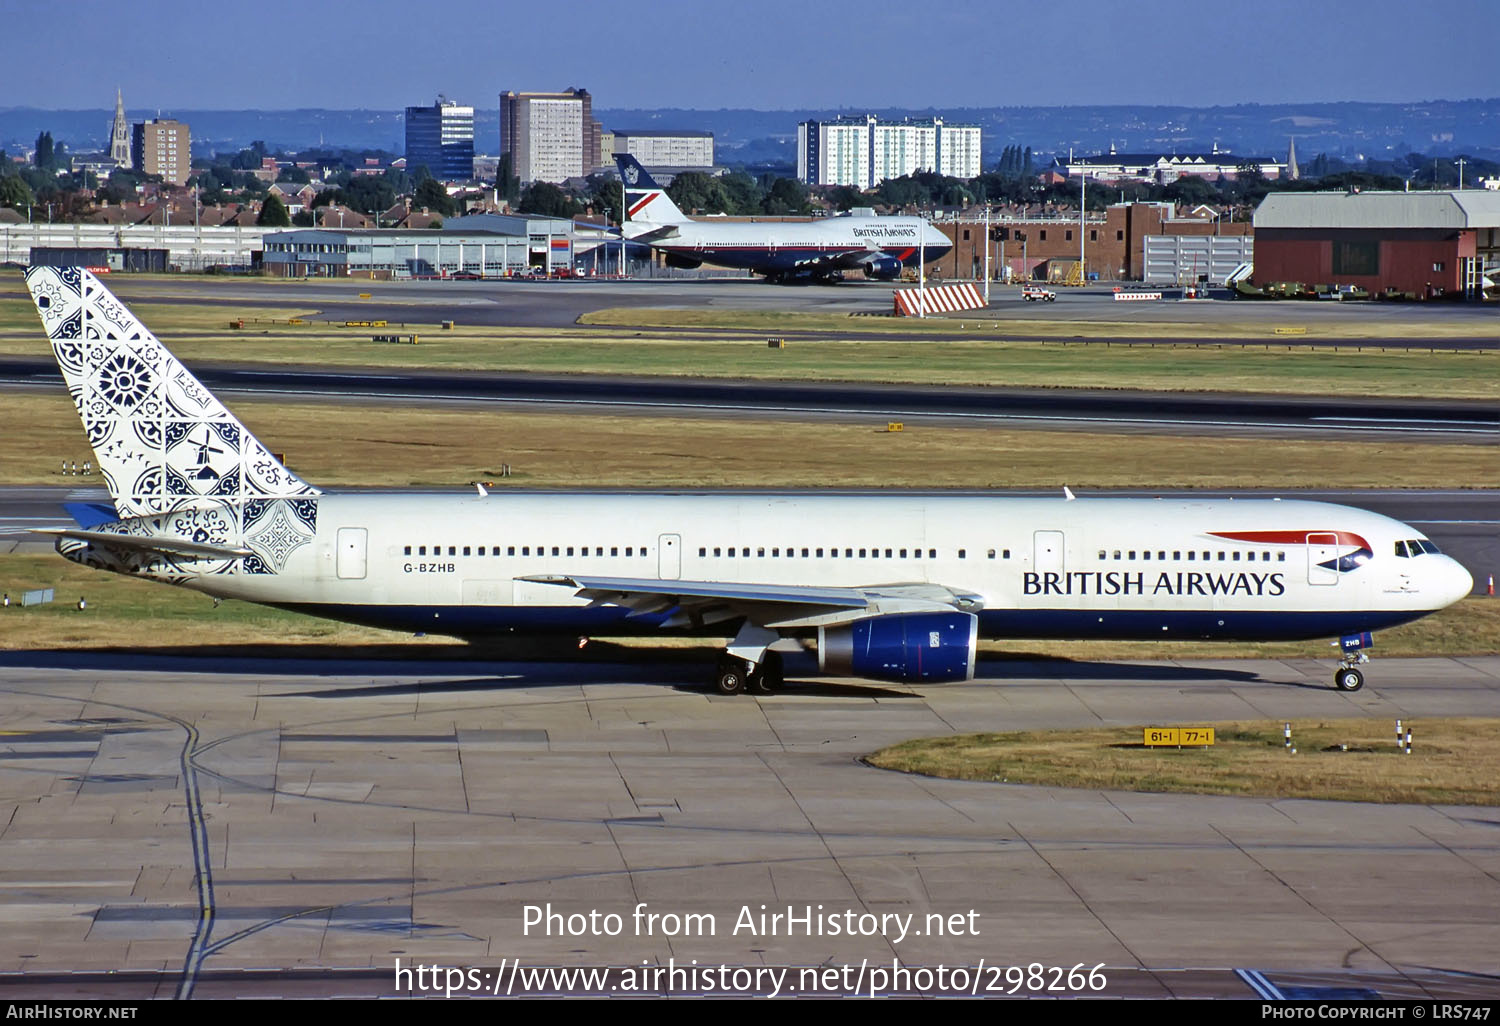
682, 262
932, 648
883, 268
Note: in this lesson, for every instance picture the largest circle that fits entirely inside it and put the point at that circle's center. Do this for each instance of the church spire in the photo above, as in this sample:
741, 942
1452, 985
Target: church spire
1292, 171
119, 133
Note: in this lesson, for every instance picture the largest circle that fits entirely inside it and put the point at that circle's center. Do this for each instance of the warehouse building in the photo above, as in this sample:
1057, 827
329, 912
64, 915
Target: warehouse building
1127, 242
189, 247
482, 245
1424, 244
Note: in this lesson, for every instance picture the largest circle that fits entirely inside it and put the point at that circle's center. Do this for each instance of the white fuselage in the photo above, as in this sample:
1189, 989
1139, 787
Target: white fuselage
1113, 568
770, 246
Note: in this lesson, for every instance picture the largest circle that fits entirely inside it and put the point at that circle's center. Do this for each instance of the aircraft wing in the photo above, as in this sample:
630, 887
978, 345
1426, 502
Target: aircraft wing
178, 547
846, 261
834, 261
769, 605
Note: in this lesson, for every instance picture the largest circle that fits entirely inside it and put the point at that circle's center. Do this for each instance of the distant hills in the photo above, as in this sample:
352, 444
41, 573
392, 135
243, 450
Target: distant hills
1350, 130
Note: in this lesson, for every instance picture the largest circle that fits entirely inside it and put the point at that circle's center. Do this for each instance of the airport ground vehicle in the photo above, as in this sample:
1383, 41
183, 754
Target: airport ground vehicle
1030, 293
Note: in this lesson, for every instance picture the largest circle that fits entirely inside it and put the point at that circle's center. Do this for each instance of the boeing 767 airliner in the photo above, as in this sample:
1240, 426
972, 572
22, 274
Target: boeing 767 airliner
893, 587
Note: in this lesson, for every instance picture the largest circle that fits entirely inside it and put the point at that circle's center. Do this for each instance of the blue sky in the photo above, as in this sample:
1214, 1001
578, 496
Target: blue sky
767, 54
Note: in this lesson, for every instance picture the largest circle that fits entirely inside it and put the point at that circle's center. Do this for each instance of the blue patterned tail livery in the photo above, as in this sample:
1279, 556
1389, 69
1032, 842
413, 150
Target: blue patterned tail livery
177, 463
644, 199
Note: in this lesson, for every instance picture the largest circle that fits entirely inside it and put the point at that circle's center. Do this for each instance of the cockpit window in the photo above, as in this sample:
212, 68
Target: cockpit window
1417, 547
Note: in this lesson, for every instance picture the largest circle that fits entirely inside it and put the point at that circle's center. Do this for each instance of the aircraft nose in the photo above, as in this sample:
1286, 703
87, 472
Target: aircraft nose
1454, 582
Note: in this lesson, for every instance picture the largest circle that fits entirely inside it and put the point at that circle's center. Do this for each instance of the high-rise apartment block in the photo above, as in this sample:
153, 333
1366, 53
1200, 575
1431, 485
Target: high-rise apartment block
865, 151
160, 147
549, 137
666, 148
441, 139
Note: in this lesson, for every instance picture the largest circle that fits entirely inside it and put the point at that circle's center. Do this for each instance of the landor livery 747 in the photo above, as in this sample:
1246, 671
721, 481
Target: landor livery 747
820, 249
892, 587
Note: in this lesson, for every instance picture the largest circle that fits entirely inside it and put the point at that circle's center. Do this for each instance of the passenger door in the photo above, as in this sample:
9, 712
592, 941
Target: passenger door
351, 560
1322, 548
669, 557
1047, 554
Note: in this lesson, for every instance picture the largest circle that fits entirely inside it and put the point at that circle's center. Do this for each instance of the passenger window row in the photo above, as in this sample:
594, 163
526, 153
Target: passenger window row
1191, 556
792, 552
523, 550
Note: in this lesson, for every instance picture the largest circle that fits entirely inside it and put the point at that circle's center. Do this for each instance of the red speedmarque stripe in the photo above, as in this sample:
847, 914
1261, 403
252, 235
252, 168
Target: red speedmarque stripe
1290, 537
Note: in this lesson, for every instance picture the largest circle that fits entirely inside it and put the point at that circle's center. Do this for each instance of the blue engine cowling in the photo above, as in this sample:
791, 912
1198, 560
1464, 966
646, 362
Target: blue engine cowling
932, 648
882, 268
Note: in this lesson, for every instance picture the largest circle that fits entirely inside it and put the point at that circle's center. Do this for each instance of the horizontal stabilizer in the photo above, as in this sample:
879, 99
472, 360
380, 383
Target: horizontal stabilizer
90, 514
656, 234
148, 543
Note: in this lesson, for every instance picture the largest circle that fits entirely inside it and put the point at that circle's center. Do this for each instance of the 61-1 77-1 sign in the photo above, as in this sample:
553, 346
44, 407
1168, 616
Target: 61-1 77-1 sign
1178, 737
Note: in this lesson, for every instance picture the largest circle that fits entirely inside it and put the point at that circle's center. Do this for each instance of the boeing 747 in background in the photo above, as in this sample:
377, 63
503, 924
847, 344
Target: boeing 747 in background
892, 587
821, 249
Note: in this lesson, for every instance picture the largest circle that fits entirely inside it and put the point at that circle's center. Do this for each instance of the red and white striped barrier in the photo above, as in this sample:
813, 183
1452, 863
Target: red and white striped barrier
1125, 297
939, 299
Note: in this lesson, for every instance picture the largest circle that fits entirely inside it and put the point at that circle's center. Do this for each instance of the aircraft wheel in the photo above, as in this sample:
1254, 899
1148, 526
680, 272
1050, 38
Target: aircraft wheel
1348, 679
768, 677
731, 677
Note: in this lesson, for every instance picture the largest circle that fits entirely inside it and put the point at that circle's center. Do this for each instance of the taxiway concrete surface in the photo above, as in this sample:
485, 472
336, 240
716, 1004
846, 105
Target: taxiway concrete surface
185, 820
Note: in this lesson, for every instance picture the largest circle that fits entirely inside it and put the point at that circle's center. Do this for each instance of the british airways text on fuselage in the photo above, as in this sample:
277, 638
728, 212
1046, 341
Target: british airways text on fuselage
1182, 582
882, 231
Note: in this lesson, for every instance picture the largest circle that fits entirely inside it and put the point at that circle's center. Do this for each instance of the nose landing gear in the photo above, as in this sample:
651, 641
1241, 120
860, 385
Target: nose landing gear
1348, 678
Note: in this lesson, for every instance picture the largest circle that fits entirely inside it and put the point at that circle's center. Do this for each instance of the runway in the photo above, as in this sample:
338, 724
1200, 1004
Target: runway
1079, 409
560, 303
176, 826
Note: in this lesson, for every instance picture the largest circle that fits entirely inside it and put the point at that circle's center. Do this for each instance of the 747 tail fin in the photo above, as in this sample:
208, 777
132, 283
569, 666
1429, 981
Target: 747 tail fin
163, 442
644, 199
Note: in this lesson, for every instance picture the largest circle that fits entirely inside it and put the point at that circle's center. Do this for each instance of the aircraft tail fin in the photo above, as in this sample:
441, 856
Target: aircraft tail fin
644, 199
164, 442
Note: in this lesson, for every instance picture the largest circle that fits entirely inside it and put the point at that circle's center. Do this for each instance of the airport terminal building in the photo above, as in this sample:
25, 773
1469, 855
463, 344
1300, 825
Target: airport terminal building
1425, 244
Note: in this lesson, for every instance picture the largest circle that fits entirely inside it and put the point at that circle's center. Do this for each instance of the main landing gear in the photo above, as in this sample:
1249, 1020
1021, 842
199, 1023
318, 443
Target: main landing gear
748, 664
735, 675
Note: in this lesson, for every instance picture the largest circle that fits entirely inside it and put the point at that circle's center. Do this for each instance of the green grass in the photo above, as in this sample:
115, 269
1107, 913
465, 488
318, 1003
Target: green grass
199, 333
339, 443
1453, 761
1251, 321
1469, 627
